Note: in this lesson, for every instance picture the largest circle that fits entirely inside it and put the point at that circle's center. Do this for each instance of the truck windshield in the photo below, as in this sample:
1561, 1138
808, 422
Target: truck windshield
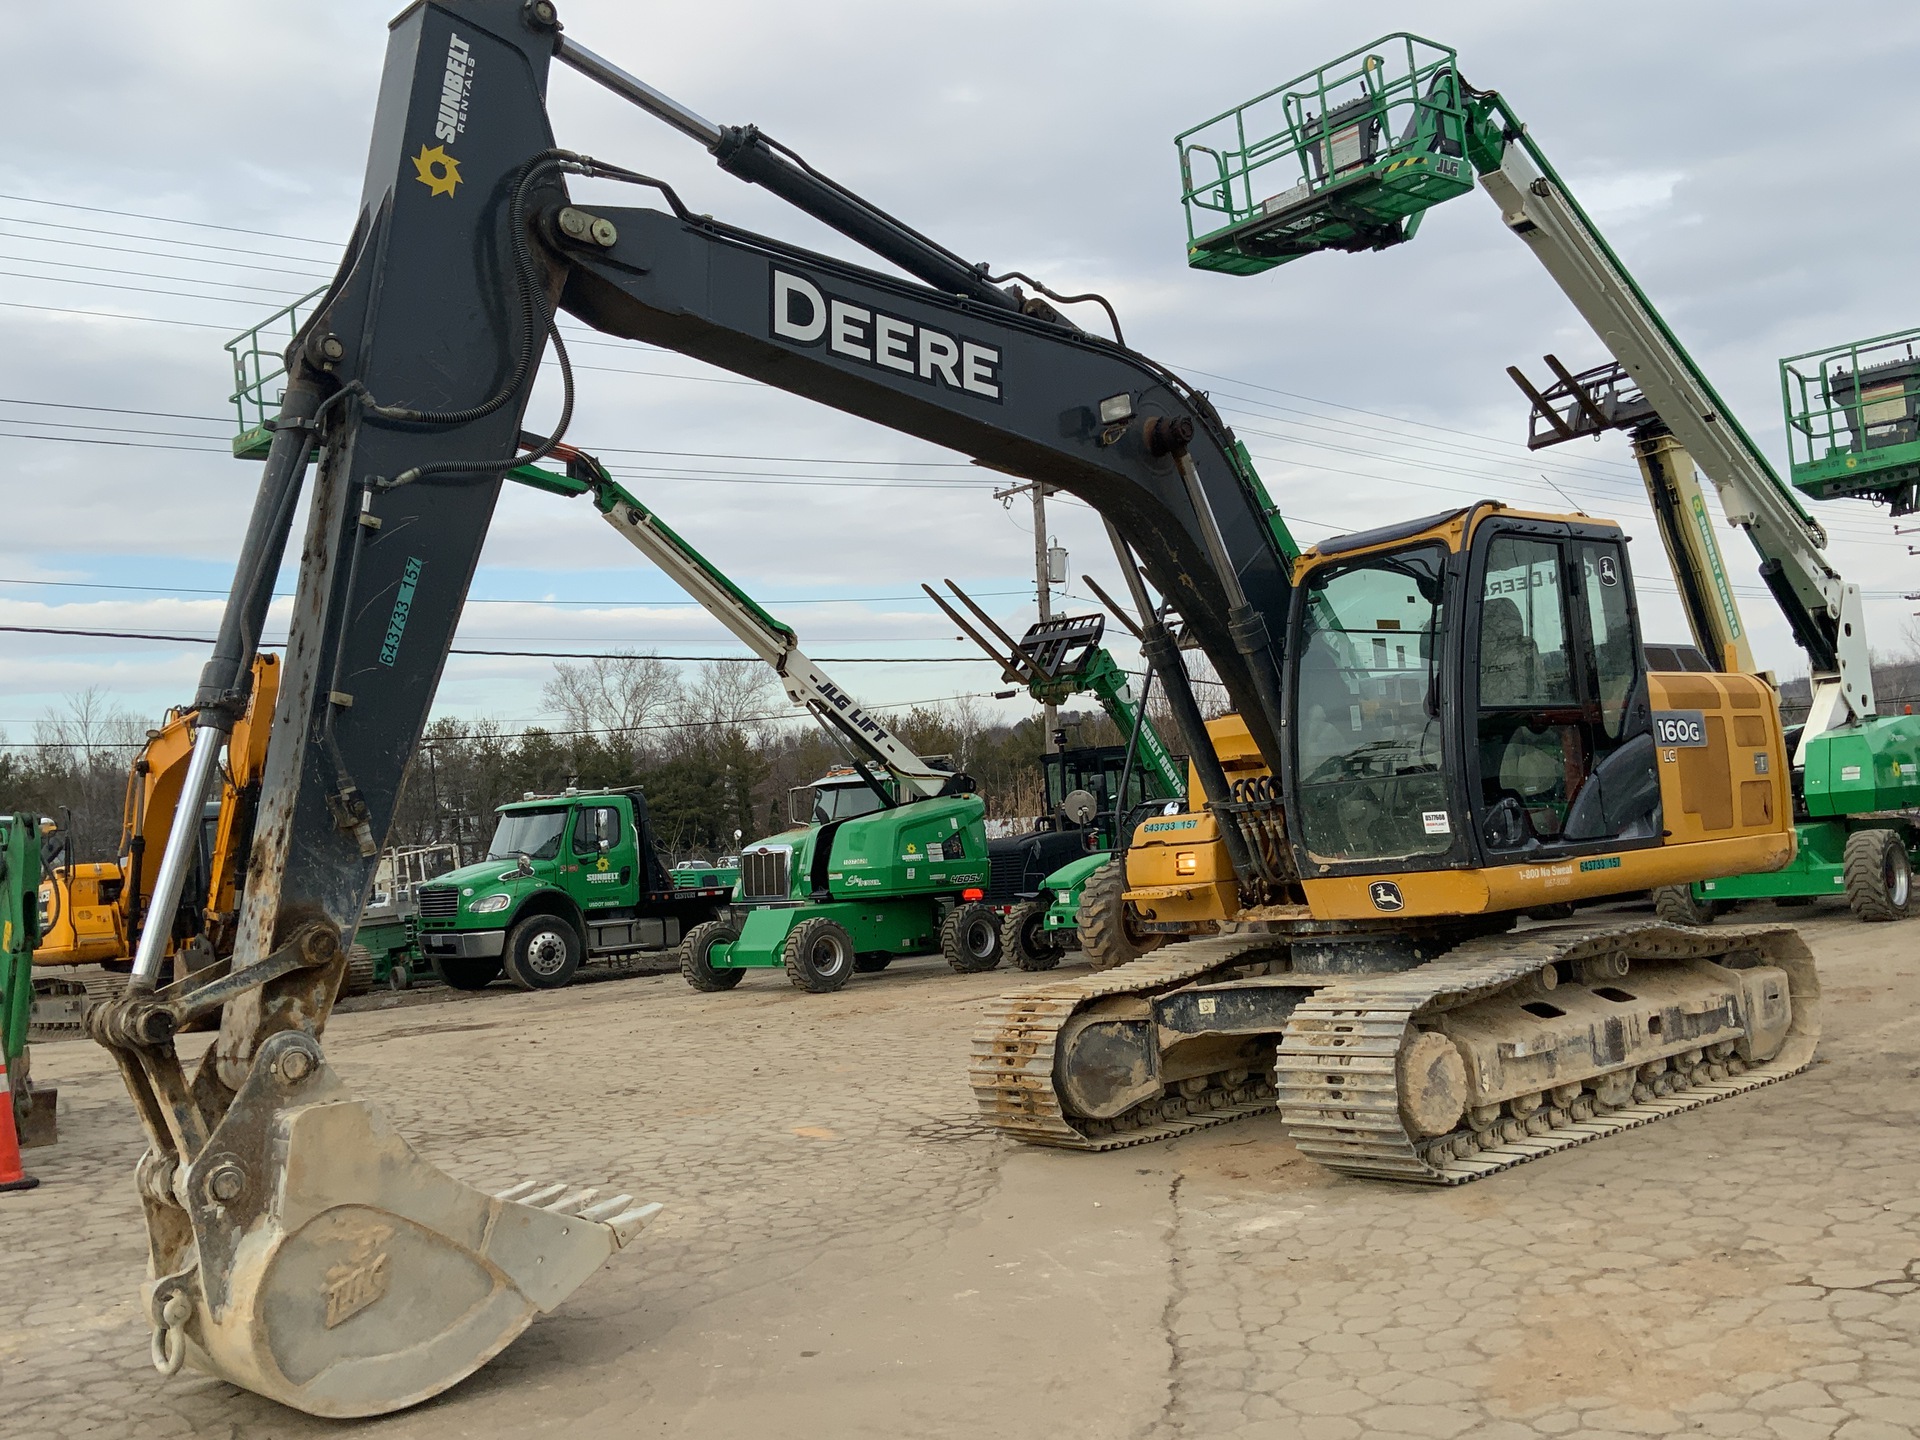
533, 833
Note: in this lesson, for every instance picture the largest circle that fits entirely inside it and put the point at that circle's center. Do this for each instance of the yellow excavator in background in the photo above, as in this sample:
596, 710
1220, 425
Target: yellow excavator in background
94, 911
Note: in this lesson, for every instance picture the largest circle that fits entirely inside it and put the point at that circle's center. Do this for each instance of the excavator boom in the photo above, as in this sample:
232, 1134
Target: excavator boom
298, 1246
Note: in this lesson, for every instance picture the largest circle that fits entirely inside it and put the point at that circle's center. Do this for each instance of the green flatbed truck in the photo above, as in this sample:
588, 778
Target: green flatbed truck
567, 879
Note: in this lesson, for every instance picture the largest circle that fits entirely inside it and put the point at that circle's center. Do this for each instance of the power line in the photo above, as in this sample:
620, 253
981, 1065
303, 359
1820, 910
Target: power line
597, 730
142, 289
525, 654
181, 591
118, 410
125, 444
162, 219
601, 449
68, 244
120, 270
136, 235
115, 315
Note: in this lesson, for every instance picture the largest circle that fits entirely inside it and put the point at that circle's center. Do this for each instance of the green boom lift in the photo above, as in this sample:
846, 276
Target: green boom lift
1349, 156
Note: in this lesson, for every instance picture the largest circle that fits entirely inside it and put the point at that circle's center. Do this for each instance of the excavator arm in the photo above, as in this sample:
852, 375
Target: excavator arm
298, 1246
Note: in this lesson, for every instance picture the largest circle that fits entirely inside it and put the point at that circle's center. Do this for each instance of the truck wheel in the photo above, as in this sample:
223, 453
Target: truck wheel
542, 953
467, 972
819, 956
1675, 905
872, 962
1023, 935
696, 969
1107, 936
970, 939
1879, 877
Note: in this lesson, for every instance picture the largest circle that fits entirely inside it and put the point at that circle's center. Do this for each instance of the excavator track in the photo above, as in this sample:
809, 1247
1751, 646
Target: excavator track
1012, 1071
61, 1002
1338, 1055
1335, 1079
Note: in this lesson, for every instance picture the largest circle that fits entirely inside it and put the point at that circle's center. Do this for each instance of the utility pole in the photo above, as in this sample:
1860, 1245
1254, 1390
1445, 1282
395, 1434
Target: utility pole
1042, 582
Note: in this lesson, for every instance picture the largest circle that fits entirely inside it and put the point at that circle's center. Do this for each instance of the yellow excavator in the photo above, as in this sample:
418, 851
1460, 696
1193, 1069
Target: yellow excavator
1447, 723
95, 912
1470, 734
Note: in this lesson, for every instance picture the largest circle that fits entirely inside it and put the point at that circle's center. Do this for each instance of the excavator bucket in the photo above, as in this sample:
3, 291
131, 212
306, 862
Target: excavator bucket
333, 1269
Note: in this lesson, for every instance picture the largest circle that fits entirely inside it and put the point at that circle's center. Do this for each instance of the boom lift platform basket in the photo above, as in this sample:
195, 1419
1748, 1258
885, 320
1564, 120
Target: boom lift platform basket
1853, 420
1345, 157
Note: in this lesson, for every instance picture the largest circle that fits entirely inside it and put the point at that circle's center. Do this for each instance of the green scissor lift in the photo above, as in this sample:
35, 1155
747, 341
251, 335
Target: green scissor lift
1350, 155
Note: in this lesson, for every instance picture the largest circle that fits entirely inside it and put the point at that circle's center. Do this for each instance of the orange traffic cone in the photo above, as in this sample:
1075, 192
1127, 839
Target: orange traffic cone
12, 1177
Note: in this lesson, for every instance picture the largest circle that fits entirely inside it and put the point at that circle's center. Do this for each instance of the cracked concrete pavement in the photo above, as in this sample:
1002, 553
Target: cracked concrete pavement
844, 1254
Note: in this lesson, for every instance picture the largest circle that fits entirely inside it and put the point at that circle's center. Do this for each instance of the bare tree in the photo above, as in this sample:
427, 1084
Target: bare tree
725, 696
621, 692
91, 731
82, 757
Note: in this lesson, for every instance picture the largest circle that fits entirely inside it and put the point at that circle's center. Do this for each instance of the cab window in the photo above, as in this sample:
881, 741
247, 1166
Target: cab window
595, 828
1563, 752
1367, 705
1609, 631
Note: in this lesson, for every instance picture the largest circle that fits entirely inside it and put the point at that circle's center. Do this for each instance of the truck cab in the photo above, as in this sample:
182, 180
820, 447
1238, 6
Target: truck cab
566, 879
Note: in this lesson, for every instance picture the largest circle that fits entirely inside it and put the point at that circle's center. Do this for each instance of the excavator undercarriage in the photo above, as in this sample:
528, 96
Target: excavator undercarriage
1499, 1050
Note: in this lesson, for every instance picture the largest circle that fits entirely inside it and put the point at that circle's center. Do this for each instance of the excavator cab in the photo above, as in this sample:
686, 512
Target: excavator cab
1474, 729
1542, 744
1468, 693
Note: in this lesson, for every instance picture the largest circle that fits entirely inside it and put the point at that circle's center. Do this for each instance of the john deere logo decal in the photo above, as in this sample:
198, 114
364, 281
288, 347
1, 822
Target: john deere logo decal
1386, 895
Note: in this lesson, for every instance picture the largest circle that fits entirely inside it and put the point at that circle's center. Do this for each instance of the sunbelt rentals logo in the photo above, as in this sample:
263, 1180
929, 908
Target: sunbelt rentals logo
433, 167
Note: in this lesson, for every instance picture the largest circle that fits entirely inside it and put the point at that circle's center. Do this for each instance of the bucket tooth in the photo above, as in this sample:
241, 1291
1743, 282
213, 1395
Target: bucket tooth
629, 1223
333, 1269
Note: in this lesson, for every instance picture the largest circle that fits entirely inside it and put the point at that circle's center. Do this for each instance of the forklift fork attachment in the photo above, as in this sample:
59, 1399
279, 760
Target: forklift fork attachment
333, 1269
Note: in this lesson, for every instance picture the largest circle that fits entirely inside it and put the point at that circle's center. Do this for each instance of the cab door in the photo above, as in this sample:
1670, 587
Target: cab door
602, 844
1560, 743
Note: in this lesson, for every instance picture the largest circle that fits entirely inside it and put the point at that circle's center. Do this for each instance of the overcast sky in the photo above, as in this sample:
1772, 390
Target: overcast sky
1751, 162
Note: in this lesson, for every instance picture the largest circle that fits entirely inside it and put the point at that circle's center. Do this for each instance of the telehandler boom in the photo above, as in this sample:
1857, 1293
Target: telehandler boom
1386, 685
